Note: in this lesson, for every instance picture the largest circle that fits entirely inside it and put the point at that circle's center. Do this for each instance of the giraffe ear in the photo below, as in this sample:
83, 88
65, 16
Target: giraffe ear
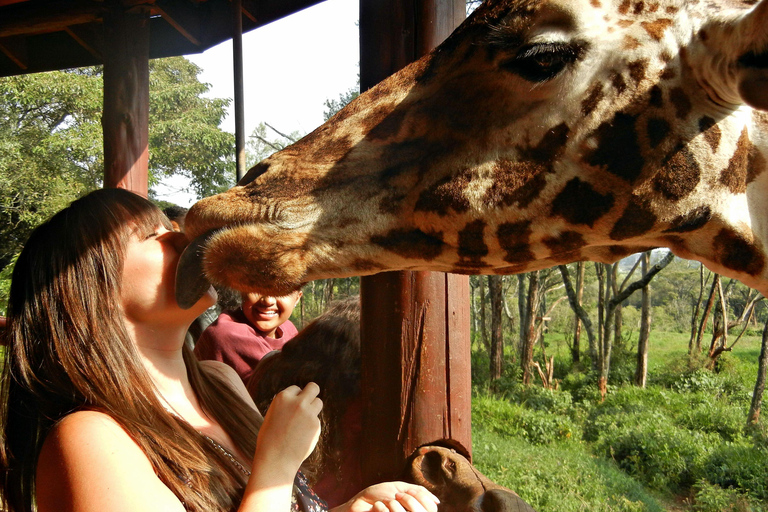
752, 62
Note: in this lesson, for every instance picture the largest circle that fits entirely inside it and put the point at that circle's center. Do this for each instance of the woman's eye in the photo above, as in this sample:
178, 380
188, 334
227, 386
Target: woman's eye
542, 62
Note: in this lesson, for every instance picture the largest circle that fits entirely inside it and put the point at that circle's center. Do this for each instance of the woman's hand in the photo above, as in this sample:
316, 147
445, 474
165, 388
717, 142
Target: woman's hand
291, 428
392, 497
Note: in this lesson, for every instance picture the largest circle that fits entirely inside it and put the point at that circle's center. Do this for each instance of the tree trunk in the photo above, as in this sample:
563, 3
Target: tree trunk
580, 313
521, 297
531, 306
576, 348
641, 371
497, 338
707, 311
483, 324
757, 395
696, 308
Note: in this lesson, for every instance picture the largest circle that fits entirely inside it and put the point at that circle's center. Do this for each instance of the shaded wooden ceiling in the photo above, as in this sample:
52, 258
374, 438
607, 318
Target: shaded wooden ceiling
45, 35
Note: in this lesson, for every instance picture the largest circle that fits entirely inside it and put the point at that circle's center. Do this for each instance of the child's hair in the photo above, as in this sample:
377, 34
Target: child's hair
65, 354
327, 352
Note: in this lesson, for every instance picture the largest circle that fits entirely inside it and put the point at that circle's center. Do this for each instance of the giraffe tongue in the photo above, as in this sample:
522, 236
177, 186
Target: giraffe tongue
191, 283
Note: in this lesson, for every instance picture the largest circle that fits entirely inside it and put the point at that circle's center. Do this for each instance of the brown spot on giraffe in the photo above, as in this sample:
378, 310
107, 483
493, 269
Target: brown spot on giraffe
514, 240
625, 23
446, 194
671, 9
757, 164
734, 177
681, 102
624, 7
565, 242
618, 83
590, 103
657, 27
658, 130
638, 218
639, 8
579, 203
472, 246
708, 127
413, 244
595, 3
637, 70
630, 43
515, 182
653, 7
736, 253
679, 174
690, 221
668, 74
656, 97
618, 151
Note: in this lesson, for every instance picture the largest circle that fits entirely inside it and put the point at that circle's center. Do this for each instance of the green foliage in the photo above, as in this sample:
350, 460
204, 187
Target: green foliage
51, 147
739, 466
713, 498
5, 286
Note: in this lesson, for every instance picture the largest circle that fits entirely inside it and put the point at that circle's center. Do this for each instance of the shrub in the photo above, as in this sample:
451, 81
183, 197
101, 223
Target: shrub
740, 466
713, 498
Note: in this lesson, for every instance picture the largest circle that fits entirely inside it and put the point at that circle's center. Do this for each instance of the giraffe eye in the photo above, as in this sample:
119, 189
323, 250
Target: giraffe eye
542, 62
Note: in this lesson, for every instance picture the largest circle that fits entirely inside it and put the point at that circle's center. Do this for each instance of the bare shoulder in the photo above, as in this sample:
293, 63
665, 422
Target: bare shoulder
230, 376
89, 462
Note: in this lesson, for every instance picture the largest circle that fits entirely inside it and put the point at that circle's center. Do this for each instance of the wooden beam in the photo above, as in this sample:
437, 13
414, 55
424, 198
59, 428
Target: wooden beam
126, 98
82, 42
53, 18
5, 47
237, 58
175, 24
415, 325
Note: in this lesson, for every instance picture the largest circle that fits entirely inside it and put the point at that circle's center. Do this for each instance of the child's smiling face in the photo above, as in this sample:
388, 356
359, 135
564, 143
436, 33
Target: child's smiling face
266, 313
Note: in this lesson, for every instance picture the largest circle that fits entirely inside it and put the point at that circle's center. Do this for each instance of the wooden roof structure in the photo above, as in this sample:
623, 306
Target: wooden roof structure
46, 35
415, 325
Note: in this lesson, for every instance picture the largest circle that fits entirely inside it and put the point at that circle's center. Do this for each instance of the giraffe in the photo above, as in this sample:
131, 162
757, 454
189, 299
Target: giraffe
540, 132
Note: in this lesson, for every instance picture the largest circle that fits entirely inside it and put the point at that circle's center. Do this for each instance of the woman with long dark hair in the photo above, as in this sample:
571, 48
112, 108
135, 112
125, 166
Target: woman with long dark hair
104, 408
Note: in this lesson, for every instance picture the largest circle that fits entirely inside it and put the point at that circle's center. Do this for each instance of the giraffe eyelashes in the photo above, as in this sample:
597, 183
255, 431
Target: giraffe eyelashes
541, 62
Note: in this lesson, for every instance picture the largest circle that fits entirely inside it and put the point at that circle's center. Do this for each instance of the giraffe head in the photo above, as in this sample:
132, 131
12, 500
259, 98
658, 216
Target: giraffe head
540, 132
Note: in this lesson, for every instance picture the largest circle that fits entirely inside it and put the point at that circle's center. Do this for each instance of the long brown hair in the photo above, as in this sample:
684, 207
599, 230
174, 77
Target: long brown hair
65, 354
327, 352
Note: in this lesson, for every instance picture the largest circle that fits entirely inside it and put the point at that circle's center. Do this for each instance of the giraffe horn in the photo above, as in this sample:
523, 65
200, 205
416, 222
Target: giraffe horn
191, 282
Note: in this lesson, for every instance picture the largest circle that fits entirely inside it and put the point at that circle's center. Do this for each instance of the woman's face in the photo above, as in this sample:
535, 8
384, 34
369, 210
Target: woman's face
149, 279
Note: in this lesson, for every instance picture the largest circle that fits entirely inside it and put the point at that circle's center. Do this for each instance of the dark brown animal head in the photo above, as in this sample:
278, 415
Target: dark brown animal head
540, 132
459, 486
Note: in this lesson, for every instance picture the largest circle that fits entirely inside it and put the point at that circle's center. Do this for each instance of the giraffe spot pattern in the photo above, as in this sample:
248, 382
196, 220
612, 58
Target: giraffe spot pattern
618, 83
656, 97
624, 7
656, 28
734, 177
681, 102
618, 151
637, 70
679, 175
637, 219
658, 129
736, 253
567, 241
592, 100
411, 244
514, 240
364, 265
708, 127
472, 242
757, 164
580, 203
446, 194
690, 221
515, 183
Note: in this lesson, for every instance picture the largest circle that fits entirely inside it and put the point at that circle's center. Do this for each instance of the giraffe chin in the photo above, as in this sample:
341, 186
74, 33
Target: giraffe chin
238, 257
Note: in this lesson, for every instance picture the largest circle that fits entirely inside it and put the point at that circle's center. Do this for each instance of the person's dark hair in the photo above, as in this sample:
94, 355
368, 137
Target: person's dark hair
176, 213
327, 352
64, 354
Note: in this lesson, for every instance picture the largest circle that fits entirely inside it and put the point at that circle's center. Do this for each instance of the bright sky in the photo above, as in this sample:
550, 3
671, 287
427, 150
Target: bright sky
291, 67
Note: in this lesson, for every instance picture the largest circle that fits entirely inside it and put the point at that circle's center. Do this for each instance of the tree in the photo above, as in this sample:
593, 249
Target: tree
497, 336
757, 395
641, 370
51, 148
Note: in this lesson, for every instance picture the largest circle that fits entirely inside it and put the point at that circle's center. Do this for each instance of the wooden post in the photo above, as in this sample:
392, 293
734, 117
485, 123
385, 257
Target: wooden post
415, 325
126, 97
237, 56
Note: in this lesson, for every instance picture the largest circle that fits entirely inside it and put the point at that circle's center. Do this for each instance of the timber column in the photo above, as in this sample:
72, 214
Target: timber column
125, 120
416, 386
